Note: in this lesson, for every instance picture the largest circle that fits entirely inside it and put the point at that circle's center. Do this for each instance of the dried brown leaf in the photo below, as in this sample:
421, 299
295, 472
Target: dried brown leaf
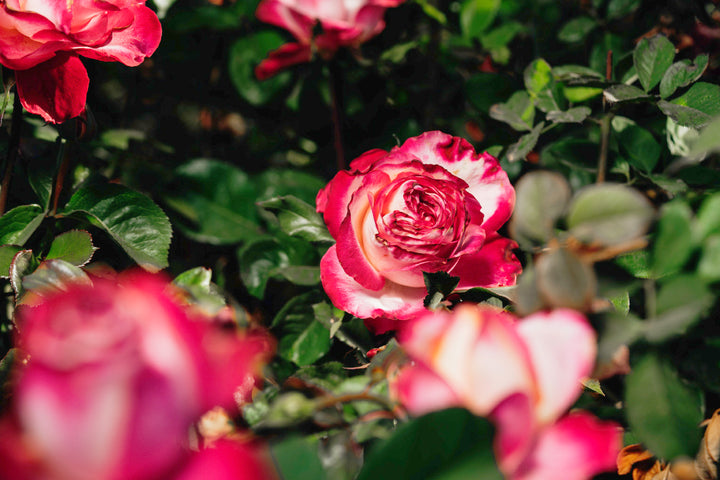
706, 462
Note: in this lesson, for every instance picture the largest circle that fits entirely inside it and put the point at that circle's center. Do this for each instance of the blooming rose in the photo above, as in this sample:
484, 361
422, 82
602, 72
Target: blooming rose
430, 205
115, 377
524, 375
344, 23
41, 41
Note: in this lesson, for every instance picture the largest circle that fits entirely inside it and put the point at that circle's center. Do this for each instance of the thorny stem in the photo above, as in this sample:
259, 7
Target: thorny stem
336, 106
604, 127
12, 154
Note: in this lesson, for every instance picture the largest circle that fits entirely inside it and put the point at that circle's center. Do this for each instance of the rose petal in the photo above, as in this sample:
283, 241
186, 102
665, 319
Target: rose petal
494, 265
487, 181
133, 44
562, 348
577, 447
281, 58
276, 12
422, 391
391, 301
229, 460
56, 89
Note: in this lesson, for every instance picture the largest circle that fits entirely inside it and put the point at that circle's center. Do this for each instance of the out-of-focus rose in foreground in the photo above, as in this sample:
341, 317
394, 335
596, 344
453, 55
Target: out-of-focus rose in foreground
430, 205
41, 41
116, 374
523, 375
343, 23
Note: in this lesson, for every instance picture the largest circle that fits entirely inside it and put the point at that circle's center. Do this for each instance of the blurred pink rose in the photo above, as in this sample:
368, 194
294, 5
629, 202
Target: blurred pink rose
116, 375
343, 23
524, 375
41, 41
430, 205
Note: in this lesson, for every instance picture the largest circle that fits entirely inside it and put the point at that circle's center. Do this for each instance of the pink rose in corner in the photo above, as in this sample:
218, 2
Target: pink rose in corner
524, 375
41, 41
343, 23
115, 377
430, 205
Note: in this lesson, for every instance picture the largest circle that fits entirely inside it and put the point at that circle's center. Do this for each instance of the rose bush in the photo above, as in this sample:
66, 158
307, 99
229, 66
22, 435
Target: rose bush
344, 24
114, 378
524, 375
41, 41
430, 205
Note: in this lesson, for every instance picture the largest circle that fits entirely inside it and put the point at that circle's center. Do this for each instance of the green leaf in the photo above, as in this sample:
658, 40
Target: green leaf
617, 330
298, 219
432, 11
520, 149
538, 76
681, 74
636, 263
276, 182
707, 142
277, 256
476, 16
301, 338
439, 285
638, 144
673, 243
709, 264
624, 93
680, 303
610, 214
198, 283
483, 90
577, 29
621, 8
578, 75
565, 281
7, 253
662, 410
217, 199
74, 247
541, 198
502, 35
696, 107
685, 116
573, 115
245, 54
708, 218
652, 57
133, 220
297, 459
18, 225
54, 276
518, 111
23, 263
444, 445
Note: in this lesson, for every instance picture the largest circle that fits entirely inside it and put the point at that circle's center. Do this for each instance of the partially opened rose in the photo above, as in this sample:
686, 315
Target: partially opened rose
430, 205
41, 41
524, 375
342, 23
116, 375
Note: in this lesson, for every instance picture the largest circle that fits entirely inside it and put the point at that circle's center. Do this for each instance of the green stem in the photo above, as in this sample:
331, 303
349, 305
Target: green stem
13, 148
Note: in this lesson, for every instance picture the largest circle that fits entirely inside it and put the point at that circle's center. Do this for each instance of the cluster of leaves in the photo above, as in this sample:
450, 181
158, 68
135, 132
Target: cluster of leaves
603, 110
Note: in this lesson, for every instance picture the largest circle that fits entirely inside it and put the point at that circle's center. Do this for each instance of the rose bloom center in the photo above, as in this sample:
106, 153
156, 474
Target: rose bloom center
413, 225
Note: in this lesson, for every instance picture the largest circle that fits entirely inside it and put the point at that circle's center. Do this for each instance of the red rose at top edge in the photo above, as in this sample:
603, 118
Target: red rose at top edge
344, 23
41, 41
430, 205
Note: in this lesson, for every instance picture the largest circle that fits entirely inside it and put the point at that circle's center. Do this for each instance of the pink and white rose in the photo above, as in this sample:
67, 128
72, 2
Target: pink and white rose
343, 23
524, 375
430, 205
116, 375
41, 41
